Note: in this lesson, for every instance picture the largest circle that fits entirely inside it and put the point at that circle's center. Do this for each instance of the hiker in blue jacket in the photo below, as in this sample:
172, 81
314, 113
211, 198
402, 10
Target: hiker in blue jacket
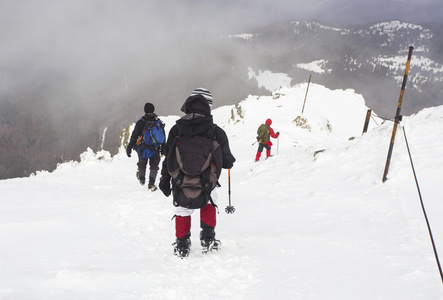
154, 160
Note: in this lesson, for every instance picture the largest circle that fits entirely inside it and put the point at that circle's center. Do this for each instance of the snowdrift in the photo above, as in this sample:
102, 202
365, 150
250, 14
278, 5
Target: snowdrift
314, 221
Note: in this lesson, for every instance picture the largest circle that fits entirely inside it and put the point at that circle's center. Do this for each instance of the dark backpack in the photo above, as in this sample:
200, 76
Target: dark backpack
152, 138
194, 163
263, 133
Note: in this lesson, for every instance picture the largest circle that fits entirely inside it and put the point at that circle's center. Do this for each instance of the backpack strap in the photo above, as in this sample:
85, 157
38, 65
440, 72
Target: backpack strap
211, 132
140, 142
149, 124
206, 181
207, 188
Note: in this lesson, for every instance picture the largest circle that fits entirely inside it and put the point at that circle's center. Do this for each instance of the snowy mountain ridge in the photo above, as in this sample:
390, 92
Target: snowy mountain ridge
371, 59
395, 33
314, 221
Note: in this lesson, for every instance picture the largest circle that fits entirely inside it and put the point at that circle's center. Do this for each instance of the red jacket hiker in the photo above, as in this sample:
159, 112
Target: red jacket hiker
265, 141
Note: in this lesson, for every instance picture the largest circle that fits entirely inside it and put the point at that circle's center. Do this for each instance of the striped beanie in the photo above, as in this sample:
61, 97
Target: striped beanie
205, 93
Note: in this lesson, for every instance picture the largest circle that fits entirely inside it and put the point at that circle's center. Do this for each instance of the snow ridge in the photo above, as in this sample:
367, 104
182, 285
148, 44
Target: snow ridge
312, 222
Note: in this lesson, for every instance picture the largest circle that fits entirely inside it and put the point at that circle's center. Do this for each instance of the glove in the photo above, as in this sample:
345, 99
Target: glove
165, 186
278, 134
128, 150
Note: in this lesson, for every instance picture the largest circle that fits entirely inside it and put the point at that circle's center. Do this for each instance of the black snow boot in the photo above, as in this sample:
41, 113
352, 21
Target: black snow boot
182, 246
207, 239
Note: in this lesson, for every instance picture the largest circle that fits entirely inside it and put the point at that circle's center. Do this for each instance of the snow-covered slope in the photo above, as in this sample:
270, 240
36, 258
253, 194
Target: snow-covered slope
314, 221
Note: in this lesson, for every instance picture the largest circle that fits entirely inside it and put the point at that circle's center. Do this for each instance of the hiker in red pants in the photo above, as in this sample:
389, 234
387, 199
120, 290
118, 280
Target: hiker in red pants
187, 147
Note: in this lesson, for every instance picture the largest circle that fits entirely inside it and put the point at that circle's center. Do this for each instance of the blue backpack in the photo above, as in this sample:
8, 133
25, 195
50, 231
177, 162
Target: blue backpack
152, 138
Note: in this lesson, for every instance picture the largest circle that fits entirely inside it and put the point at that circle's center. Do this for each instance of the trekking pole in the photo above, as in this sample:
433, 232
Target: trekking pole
254, 143
229, 209
278, 142
306, 94
423, 208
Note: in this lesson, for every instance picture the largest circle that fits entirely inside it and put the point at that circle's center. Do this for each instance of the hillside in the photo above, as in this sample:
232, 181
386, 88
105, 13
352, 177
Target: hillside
51, 113
368, 58
314, 221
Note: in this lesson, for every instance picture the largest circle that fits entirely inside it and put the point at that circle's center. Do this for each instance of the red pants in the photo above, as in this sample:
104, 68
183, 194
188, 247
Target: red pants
208, 216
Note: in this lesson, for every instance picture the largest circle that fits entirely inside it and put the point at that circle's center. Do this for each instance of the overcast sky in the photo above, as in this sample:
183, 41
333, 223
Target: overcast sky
103, 35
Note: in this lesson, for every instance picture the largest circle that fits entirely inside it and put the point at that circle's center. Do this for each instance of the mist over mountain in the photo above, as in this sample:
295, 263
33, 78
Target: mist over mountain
51, 111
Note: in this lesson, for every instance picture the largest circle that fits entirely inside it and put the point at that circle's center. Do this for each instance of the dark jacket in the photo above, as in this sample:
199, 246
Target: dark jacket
140, 126
197, 124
